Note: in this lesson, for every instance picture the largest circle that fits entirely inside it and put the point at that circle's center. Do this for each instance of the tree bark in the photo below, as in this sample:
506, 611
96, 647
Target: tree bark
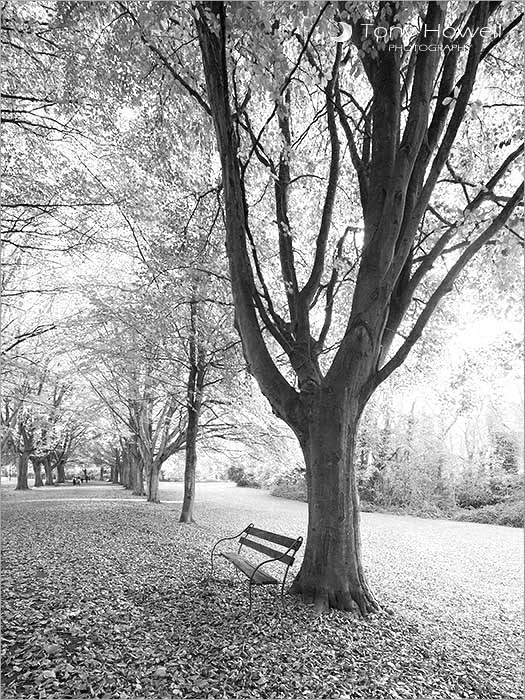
61, 471
48, 469
136, 472
138, 480
153, 482
125, 467
21, 476
115, 468
331, 574
38, 472
194, 398
190, 470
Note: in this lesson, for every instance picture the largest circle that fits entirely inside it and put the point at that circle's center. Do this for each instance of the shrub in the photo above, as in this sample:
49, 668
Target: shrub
367, 507
477, 490
243, 477
477, 496
509, 513
430, 509
290, 485
370, 485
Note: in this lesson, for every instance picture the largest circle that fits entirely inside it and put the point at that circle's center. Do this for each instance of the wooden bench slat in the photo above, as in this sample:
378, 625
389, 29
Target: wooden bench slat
274, 553
260, 578
271, 537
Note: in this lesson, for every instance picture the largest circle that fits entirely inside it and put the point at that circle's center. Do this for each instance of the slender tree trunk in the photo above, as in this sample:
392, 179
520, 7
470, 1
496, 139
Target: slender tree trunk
194, 399
150, 469
190, 469
133, 478
37, 468
61, 472
115, 468
21, 477
48, 469
153, 482
331, 574
138, 479
125, 472
136, 472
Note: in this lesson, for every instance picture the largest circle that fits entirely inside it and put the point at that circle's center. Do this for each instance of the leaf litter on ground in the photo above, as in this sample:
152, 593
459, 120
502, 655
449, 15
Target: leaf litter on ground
111, 600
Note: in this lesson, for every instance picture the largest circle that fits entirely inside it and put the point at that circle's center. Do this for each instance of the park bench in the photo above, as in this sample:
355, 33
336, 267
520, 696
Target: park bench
254, 538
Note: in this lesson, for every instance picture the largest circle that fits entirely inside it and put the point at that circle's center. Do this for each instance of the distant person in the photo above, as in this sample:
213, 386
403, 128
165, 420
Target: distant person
86, 477
74, 481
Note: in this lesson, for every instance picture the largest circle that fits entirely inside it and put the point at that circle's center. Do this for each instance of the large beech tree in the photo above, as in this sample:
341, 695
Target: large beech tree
401, 139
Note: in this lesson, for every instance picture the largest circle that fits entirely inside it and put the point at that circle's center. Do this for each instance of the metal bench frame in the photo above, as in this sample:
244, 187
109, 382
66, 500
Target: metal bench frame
286, 557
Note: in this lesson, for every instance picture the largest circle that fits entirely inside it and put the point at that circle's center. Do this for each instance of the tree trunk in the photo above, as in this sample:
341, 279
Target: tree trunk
136, 473
48, 469
115, 468
125, 471
190, 468
61, 472
194, 399
153, 482
38, 472
21, 477
331, 574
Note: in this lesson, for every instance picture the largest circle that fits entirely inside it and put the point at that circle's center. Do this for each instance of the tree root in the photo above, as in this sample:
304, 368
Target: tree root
360, 603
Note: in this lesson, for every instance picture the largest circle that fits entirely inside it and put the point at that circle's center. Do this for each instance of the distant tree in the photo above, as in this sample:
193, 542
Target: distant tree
213, 365
194, 396
131, 365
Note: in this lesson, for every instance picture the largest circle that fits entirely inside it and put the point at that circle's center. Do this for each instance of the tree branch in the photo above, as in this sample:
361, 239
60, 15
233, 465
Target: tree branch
308, 291
443, 288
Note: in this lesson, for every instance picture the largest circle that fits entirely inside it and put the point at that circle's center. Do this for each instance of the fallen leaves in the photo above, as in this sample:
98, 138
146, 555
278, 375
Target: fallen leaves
109, 600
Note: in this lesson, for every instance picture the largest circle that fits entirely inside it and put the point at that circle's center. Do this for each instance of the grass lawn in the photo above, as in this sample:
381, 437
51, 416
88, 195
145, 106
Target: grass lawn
103, 596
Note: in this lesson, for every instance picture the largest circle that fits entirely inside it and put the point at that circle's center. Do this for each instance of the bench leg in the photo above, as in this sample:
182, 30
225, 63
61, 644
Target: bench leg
282, 594
250, 596
213, 555
283, 585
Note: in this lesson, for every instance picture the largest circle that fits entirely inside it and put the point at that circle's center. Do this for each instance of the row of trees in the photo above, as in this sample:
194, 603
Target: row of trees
161, 357
38, 426
122, 295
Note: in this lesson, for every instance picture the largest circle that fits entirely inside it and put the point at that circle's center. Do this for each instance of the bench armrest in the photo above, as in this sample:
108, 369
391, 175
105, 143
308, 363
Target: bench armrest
225, 539
268, 561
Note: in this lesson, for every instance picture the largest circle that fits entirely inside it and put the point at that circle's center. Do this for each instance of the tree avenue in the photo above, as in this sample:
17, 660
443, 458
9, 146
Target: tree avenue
418, 88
